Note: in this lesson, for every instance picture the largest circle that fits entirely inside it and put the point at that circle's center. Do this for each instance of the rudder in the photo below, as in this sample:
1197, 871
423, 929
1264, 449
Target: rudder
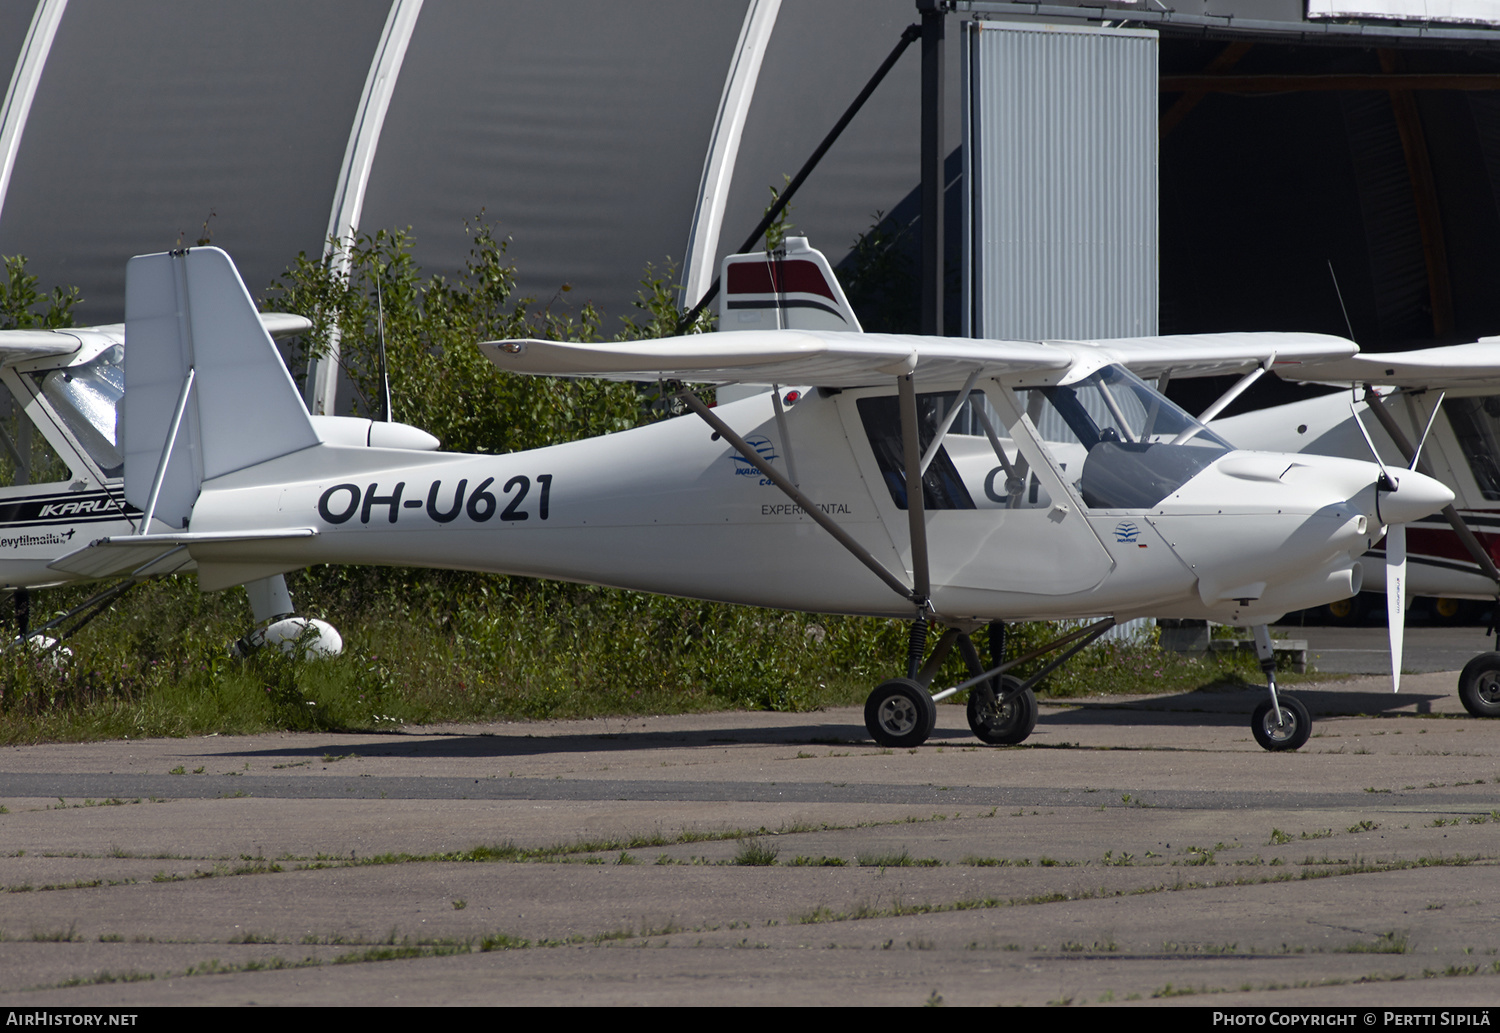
791, 289
189, 310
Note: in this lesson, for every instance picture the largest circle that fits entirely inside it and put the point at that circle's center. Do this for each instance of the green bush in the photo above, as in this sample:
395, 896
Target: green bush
440, 381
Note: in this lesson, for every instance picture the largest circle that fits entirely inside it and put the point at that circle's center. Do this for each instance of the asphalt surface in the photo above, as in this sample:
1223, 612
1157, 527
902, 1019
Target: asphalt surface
1366, 650
1134, 850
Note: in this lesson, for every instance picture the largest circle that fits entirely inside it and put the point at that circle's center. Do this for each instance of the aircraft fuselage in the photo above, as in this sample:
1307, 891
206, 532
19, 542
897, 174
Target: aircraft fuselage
672, 509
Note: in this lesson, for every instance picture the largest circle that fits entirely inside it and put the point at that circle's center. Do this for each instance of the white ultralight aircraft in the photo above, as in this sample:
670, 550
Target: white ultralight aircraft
1055, 483
1436, 410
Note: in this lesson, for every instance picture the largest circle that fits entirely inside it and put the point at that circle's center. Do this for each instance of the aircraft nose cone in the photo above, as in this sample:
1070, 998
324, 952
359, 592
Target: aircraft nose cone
1416, 496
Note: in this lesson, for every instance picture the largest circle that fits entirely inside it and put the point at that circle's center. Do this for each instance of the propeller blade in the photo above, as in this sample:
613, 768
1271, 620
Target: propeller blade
1395, 596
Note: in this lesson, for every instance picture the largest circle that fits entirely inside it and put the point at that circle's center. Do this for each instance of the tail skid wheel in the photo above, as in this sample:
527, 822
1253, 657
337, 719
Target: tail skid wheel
1479, 685
1002, 722
1295, 727
900, 713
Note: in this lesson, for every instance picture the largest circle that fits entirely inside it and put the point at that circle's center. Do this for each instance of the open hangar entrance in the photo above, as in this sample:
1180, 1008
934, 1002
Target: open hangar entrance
1301, 179
1295, 158
1337, 177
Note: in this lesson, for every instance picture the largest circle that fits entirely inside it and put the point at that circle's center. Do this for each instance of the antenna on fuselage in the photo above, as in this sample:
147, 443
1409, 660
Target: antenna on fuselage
385, 373
1340, 294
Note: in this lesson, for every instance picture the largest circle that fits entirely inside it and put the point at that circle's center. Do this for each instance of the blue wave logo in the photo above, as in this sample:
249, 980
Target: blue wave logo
1126, 532
763, 448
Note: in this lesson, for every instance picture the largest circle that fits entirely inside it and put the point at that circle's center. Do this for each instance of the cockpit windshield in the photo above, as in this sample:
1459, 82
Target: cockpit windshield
87, 397
1132, 446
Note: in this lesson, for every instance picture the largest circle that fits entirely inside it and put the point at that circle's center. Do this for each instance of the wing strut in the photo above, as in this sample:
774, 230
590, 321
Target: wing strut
1222, 402
916, 510
859, 552
947, 421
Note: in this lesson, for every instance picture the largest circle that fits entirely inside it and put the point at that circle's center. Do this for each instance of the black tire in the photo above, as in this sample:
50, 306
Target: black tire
1291, 734
1479, 685
1345, 613
1006, 723
1450, 611
900, 713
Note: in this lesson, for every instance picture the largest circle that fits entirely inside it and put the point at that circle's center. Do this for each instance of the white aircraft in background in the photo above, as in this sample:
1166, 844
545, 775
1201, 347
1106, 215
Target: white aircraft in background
1056, 484
1436, 410
61, 472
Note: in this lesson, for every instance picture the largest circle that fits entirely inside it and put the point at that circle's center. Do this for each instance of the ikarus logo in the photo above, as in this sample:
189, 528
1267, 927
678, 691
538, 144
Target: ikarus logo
1126, 532
763, 448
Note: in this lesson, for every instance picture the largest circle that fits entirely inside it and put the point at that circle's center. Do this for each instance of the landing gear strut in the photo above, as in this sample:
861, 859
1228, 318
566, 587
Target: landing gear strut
277, 624
65, 625
1281, 722
1002, 708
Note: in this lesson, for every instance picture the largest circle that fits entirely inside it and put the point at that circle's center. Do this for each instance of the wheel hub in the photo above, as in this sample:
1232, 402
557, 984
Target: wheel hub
1489, 689
1285, 728
898, 716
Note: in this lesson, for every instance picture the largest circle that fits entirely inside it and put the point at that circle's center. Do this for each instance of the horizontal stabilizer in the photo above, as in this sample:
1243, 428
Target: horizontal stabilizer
151, 554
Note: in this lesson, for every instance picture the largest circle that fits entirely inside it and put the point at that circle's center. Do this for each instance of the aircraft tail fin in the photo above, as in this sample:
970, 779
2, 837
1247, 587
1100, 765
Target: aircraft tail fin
195, 344
794, 289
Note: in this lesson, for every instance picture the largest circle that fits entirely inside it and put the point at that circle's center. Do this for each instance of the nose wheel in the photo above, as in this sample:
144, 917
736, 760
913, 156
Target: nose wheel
1281, 722
1288, 733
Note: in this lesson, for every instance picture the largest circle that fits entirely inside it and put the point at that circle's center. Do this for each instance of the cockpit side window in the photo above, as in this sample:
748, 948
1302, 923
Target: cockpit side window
25, 455
87, 399
1130, 446
942, 487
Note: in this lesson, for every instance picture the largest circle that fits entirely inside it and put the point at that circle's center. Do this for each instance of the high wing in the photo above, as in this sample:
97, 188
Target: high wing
1458, 365
22, 345
824, 358
18, 346
838, 359
1209, 355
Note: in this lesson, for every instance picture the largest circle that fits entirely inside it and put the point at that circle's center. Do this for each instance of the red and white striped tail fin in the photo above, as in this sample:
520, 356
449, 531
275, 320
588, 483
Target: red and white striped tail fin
790, 289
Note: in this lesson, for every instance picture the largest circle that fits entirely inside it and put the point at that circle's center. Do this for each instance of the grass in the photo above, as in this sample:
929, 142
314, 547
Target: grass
1392, 942
443, 646
755, 853
895, 859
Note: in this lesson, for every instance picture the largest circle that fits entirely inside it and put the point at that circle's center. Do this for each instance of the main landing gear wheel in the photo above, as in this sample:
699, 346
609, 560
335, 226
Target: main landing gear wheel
1479, 685
1345, 612
1295, 727
900, 713
1450, 611
1002, 723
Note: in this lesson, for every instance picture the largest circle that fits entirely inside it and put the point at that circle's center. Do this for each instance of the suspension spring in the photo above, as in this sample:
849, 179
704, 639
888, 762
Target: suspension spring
917, 645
